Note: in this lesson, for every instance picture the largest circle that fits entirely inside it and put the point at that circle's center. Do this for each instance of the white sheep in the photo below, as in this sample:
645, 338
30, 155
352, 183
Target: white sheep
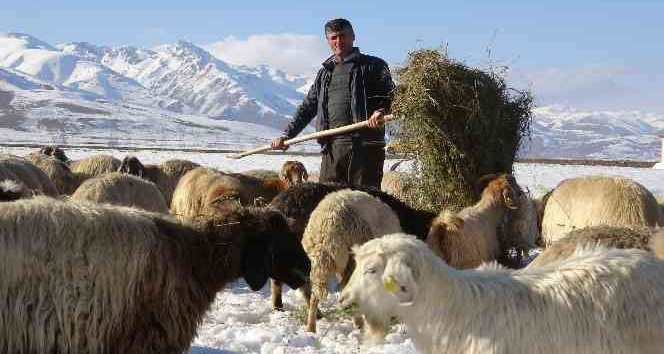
97, 278
122, 189
342, 219
599, 300
597, 200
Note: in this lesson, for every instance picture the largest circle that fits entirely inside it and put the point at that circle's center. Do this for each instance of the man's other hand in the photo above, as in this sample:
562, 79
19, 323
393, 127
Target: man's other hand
376, 120
278, 143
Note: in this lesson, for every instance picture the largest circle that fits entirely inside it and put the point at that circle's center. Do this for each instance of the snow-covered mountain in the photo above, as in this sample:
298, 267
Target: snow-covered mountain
563, 132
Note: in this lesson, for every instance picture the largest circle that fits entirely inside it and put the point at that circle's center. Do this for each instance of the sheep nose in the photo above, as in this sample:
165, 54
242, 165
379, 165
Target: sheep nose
345, 300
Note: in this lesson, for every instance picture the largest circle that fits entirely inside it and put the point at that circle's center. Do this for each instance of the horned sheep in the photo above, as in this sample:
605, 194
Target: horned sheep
122, 189
18, 169
93, 278
590, 302
341, 220
470, 237
298, 202
597, 200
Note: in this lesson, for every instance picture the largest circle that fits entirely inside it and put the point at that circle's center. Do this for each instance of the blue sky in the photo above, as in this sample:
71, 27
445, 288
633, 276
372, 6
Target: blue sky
588, 54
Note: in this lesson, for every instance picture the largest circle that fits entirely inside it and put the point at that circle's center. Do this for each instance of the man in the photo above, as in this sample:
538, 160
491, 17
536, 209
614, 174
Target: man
350, 87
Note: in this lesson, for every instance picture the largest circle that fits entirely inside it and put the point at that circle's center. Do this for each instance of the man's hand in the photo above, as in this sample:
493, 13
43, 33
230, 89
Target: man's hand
376, 119
278, 143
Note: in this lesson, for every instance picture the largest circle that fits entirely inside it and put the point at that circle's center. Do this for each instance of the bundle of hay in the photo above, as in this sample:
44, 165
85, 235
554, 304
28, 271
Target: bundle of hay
459, 123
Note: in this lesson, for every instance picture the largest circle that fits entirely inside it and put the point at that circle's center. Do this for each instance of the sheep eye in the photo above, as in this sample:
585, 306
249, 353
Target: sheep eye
403, 289
370, 271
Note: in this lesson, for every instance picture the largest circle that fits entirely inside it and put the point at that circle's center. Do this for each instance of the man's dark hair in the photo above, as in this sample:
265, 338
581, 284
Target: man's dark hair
337, 25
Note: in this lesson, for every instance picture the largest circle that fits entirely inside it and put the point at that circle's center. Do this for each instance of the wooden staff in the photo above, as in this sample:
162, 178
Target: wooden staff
316, 135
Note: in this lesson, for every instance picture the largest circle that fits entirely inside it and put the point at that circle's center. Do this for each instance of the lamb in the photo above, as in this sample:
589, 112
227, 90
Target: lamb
298, 202
611, 236
21, 170
93, 278
165, 175
202, 191
342, 219
94, 165
59, 172
12, 190
122, 189
591, 302
469, 238
597, 200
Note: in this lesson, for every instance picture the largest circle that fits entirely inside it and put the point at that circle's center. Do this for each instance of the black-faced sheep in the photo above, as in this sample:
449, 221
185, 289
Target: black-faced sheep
165, 175
94, 165
92, 278
638, 237
597, 200
298, 202
59, 172
598, 300
21, 170
52, 150
470, 237
122, 189
341, 220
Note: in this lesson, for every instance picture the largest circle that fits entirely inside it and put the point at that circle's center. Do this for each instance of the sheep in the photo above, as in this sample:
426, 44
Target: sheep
122, 189
596, 200
468, 238
292, 173
21, 170
94, 165
342, 219
201, 191
96, 278
165, 175
59, 172
397, 184
12, 190
599, 300
298, 202
612, 236
52, 150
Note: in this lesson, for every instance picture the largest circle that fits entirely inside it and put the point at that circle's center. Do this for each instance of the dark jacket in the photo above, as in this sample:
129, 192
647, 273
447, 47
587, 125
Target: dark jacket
371, 89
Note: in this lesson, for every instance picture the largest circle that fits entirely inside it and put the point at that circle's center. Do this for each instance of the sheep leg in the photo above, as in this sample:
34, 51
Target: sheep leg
277, 302
375, 330
313, 311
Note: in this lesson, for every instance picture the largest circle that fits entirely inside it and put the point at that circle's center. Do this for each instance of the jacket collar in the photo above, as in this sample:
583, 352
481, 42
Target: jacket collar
354, 55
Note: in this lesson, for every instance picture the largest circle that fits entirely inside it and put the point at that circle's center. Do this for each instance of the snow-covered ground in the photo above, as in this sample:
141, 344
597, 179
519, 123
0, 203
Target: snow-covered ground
241, 321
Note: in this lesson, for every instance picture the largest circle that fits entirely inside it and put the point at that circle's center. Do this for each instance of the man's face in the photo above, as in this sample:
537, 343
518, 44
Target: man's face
341, 43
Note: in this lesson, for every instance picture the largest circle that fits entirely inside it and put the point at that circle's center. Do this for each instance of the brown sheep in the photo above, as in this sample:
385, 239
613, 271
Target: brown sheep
204, 191
122, 189
597, 200
292, 173
165, 175
612, 236
468, 238
21, 170
59, 172
95, 278
94, 165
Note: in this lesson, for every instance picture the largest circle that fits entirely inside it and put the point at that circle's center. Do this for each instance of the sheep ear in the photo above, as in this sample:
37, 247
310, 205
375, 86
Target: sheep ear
256, 264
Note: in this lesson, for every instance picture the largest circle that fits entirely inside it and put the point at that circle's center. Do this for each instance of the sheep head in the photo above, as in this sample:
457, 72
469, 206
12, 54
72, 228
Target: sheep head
500, 188
294, 173
385, 277
132, 165
270, 249
55, 152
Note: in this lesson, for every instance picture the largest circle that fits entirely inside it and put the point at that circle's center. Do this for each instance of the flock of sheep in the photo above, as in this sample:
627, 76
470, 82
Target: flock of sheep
101, 255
